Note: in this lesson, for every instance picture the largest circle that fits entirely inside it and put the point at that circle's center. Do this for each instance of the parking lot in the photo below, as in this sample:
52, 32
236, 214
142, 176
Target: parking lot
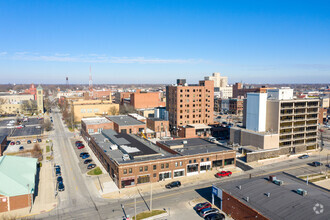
28, 131
23, 142
82, 166
31, 127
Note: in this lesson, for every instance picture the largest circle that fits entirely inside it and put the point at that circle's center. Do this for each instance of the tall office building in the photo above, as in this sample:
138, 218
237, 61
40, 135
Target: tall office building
190, 104
221, 88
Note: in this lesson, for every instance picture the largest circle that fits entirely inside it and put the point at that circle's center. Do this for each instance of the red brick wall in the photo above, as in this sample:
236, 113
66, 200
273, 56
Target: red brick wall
134, 128
146, 100
238, 210
3, 205
18, 202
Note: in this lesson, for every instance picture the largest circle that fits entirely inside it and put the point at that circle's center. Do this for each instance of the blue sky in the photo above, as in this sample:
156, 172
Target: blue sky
157, 41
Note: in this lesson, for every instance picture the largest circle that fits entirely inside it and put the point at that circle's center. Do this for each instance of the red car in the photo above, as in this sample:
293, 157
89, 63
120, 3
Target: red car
12, 143
200, 206
223, 173
81, 146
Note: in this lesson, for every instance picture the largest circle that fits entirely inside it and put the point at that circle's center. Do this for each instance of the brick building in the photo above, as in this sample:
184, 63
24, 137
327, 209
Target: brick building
127, 124
236, 106
17, 182
260, 198
96, 125
194, 131
131, 160
240, 91
159, 126
190, 104
146, 100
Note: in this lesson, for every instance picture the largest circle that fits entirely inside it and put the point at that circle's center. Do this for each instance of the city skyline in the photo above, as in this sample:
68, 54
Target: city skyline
157, 42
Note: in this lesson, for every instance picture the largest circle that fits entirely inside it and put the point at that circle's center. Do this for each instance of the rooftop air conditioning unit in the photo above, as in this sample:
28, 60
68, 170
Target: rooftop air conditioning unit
125, 157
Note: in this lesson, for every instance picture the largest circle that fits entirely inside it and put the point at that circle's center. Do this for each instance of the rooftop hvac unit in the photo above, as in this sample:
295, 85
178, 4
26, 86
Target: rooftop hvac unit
114, 147
125, 157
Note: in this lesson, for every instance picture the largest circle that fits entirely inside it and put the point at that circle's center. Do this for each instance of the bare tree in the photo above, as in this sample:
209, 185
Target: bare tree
2, 101
113, 111
37, 152
125, 109
47, 125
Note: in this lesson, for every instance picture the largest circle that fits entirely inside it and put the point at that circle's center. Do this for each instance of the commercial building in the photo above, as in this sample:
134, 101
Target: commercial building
194, 131
92, 108
221, 88
159, 126
95, 125
143, 100
127, 124
17, 186
12, 103
3, 144
190, 104
131, 160
236, 106
283, 198
277, 115
160, 112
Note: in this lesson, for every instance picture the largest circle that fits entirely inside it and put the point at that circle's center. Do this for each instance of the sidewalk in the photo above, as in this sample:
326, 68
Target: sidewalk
158, 187
45, 200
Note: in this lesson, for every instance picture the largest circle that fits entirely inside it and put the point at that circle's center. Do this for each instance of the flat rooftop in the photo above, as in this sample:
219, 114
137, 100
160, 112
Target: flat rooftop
95, 121
137, 116
156, 119
124, 120
284, 202
115, 145
191, 146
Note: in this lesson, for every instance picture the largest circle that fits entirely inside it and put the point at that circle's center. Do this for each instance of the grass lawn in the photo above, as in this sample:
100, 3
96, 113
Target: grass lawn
95, 171
148, 214
47, 149
317, 179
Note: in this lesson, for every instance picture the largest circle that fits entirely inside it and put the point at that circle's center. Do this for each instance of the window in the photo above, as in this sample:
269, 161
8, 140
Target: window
146, 168
96, 110
90, 131
140, 129
195, 161
167, 165
155, 175
180, 163
207, 159
162, 166
141, 169
125, 171
176, 164
155, 167
202, 160
130, 170
189, 161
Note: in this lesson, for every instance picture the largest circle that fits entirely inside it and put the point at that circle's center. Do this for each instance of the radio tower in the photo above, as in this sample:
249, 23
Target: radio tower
67, 82
90, 79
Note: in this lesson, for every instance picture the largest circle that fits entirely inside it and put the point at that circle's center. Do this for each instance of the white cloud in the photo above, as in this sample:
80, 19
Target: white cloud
93, 58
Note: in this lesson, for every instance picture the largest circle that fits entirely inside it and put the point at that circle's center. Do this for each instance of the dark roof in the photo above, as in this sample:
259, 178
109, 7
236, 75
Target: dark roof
156, 119
124, 120
284, 202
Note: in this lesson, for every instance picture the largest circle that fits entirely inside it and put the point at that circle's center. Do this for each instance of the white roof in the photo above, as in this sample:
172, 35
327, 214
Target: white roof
199, 126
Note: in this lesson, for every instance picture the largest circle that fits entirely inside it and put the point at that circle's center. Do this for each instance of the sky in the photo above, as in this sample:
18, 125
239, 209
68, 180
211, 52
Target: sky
158, 41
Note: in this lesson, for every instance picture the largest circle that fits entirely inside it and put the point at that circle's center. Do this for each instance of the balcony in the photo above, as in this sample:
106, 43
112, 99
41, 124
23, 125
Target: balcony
312, 122
312, 110
286, 131
298, 142
298, 136
313, 116
286, 106
313, 140
298, 130
285, 144
299, 124
286, 125
300, 118
286, 118
286, 112
311, 135
299, 111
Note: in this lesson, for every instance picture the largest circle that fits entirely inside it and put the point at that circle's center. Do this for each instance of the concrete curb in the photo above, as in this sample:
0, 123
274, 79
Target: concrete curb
157, 216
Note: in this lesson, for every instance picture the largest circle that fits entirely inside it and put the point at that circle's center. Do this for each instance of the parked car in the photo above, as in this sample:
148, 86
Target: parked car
12, 143
81, 146
18, 142
60, 186
224, 123
39, 140
35, 141
85, 156
305, 156
29, 141
328, 165
88, 161
219, 117
317, 164
173, 184
58, 171
78, 142
201, 206
59, 179
21, 148
91, 166
57, 166
215, 216
205, 212
82, 154
223, 174
19, 126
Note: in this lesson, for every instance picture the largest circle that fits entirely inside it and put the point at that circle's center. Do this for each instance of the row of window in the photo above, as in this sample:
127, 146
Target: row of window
163, 165
96, 110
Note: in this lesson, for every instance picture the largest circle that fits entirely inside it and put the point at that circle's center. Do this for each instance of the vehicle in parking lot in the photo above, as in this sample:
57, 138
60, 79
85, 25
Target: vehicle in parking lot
60, 186
57, 166
223, 173
78, 142
173, 184
85, 156
82, 154
305, 156
29, 141
35, 141
204, 212
21, 148
12, 143
81, 146
58, 171
215, 216
59, 179
91, 166
39, 140
18, 142
19, 126
203, 205
317, 164
224, 122
88, 161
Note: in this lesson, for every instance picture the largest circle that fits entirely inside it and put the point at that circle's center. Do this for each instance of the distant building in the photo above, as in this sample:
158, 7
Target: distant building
159, 126
12, 103
18, 182
32, 91
160, 112
40, 100
221, 88
143, 100
240, 91
127, 124
190, 104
